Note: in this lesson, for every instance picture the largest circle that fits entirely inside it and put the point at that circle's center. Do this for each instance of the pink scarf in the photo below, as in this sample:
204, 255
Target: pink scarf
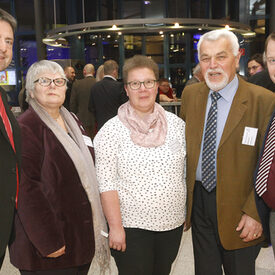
146, 132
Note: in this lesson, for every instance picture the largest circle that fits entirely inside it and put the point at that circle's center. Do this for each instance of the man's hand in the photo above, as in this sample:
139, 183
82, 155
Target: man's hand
117, 238
57, 253
250, 228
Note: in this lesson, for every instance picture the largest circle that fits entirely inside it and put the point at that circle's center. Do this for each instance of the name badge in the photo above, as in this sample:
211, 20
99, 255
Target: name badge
249, 136
175, 146
88, 141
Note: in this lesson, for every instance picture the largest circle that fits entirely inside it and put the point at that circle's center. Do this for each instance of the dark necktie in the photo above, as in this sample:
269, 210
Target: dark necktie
7, 125
209, 146
266, 161
6, 122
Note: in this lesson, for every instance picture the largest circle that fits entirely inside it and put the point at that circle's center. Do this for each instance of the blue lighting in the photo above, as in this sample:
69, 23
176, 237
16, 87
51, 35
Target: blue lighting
197, 36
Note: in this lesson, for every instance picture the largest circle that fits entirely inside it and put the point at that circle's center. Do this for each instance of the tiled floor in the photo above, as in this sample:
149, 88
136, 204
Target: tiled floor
265, 263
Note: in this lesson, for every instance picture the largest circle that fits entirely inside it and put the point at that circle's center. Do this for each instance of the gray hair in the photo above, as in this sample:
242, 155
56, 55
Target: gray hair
218, 34
38, 68
196, 69
5, 16
89, 68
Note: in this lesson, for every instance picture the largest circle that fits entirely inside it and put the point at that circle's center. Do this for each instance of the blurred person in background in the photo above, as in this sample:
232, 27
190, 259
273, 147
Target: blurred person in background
197, 75
165, 91
255, 64
99, 73
107, 95
70, 75
80, 99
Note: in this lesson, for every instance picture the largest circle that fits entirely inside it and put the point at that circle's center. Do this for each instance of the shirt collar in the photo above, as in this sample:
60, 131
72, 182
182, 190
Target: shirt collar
110, 76
228, 92
89, 75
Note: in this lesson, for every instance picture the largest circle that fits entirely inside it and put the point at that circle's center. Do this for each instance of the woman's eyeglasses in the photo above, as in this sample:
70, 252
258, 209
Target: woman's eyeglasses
148, 84
45, 81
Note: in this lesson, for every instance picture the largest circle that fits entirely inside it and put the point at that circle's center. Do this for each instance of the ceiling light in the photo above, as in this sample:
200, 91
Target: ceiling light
227, 27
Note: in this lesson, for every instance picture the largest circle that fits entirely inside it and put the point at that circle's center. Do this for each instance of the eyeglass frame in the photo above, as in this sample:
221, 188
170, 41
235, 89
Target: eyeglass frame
255, 67
51, 81
142, 82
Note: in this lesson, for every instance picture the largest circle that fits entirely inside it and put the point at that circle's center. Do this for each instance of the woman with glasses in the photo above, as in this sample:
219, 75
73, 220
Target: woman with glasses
140, 164
59, 220
255, 64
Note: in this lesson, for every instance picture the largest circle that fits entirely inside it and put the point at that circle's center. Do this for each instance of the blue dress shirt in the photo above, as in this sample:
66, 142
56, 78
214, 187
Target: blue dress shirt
224, 105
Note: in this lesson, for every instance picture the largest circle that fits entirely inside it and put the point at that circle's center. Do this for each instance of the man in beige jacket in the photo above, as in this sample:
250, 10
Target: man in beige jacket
226, 228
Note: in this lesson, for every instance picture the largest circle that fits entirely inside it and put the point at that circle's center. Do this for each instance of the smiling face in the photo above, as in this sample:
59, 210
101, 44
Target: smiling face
218, 64
51, 97
6, 43
142, 99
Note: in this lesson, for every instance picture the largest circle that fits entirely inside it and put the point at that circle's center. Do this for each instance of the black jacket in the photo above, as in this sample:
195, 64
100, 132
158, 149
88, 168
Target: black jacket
106, 97
8, 177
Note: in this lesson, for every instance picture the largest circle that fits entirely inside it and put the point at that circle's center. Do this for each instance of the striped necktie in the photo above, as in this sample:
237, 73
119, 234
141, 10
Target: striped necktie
209, 146
266, 161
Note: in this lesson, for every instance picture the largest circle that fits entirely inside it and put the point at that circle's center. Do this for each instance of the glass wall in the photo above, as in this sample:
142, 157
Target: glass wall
174, 51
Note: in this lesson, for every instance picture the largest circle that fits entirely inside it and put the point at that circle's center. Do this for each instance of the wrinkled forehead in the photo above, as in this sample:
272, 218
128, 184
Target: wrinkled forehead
270, 50
214, 47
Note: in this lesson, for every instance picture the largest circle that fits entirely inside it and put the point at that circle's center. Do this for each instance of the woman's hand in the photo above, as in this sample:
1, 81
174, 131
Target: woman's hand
117, 238
57, 253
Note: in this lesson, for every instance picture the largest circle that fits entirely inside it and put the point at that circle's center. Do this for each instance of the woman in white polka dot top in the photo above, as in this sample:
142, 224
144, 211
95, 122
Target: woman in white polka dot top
140, 164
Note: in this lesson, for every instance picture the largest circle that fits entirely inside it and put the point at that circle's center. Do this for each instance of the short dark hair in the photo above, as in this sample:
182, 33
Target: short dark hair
5, 16
258, 57
110, 66
161, 80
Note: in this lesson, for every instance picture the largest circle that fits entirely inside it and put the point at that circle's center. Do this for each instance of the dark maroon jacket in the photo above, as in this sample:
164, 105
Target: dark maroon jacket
53, 208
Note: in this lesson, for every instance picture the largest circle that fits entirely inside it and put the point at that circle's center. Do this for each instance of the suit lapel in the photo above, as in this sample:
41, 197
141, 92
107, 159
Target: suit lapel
196, 119
237, 110
13, 122
201, 102
2, 126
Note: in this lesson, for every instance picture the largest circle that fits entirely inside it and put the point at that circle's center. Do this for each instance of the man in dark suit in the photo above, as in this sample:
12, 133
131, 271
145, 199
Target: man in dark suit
225, 126
265, 172
70, 74
262, 79
107, 95
9, 141
80, 99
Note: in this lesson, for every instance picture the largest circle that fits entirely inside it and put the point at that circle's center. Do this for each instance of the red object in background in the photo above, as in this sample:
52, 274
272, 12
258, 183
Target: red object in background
242, 51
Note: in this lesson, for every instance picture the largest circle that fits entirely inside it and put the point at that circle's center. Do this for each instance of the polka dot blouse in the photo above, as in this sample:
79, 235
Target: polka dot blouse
150, 181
